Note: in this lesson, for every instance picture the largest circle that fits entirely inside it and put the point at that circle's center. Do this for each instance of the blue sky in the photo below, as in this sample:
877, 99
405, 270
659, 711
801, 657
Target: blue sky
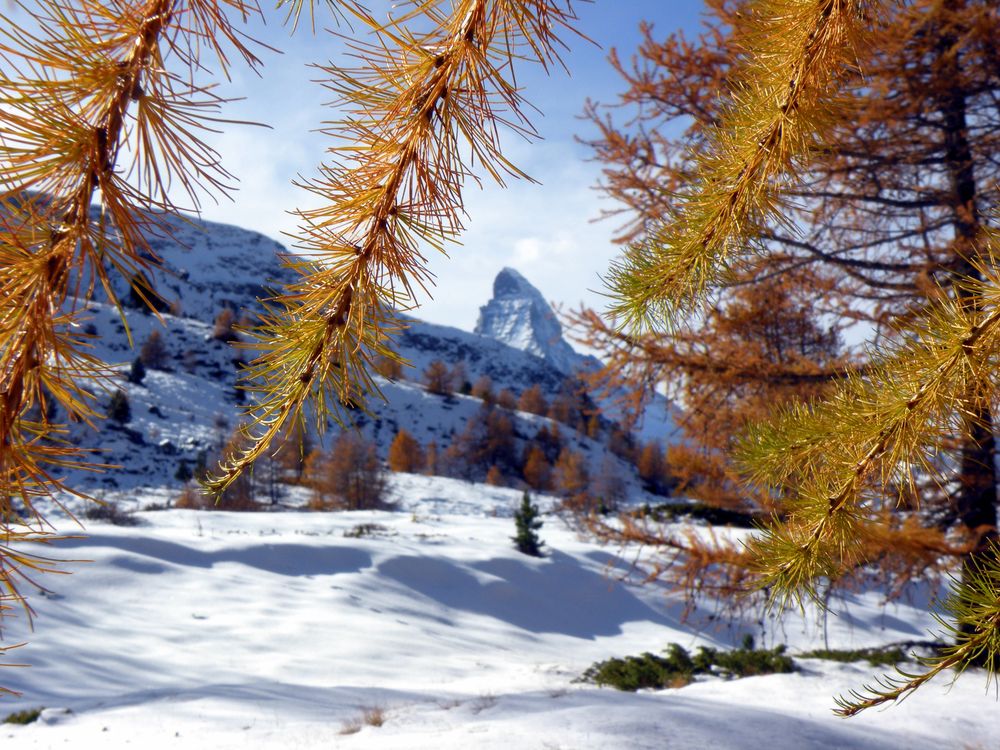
545, 230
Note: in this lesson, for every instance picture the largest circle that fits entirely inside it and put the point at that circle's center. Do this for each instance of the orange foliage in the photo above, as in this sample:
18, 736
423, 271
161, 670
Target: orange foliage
350, 477
570, 476
437, 379
537, 471
494, 477
533, 401
405, 453
888, 216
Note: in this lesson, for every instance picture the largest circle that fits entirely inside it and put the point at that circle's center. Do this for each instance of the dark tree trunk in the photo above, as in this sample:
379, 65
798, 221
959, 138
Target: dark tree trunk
976, 501
976, 498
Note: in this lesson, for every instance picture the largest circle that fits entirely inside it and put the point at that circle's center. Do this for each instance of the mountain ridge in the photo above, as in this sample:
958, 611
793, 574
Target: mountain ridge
187, 405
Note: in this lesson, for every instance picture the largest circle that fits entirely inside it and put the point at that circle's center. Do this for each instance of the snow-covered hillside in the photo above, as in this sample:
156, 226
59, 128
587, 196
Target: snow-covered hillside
186, 406
283, 630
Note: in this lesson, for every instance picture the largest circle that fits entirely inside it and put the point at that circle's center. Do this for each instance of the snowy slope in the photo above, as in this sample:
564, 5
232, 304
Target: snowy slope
206, 266
219, 630
188, 406
192, 406
175, 412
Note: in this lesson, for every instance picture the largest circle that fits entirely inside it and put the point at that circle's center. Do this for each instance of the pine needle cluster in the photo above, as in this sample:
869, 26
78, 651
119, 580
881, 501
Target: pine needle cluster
971, 617
98, 105
103, 109
780, 97
419, 111
920, 411
849, 455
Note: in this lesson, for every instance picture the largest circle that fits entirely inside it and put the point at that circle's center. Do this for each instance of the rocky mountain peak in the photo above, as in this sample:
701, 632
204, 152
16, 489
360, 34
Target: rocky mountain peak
519, 316
510, 283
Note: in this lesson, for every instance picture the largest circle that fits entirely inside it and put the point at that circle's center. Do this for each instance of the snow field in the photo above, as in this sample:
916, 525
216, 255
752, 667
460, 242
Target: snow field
275, 630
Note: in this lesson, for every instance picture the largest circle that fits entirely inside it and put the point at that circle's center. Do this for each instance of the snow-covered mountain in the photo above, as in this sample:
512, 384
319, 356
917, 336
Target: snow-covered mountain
188, 404
205, 267
519, 316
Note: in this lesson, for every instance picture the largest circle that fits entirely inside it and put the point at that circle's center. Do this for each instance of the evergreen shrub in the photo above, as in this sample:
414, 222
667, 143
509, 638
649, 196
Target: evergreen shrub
26, 716
677, 667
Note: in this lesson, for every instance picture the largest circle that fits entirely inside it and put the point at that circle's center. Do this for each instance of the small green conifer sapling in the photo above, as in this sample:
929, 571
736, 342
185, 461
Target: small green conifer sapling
528, 523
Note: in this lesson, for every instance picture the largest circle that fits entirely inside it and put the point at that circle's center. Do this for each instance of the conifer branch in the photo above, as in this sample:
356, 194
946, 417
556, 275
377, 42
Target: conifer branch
875, 432
395, 186
796, 51
89, 109
892, 476
19, 565
970, 617
629, 353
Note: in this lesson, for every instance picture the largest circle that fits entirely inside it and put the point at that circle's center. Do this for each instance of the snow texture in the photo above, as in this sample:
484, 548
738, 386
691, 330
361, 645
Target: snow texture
275, 630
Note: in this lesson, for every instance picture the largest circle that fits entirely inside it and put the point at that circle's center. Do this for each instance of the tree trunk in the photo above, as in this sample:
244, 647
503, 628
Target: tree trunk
976, 498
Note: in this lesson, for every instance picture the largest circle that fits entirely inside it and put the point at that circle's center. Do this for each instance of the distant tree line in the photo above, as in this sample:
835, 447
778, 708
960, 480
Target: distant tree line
488, 448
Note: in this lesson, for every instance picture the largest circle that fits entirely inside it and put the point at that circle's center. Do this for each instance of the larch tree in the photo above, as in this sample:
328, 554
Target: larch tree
767, 342
650, 464
431, 461
389, 368
532, 400
537, 470
506, 399
487, 441
224, 327
571, 479
494, 476
239, 496
102, 111
349, 477
154, 352
866, 166
405, 453
483, 389
437, 378
431, 90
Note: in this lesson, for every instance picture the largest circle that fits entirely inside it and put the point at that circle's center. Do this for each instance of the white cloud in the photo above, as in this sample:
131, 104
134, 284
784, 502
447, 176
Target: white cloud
527, 250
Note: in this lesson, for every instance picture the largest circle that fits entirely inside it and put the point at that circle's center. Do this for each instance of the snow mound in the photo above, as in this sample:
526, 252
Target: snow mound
276, 630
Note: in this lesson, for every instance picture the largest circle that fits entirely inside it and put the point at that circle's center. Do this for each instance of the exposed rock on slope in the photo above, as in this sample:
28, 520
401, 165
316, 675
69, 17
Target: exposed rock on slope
519, 316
